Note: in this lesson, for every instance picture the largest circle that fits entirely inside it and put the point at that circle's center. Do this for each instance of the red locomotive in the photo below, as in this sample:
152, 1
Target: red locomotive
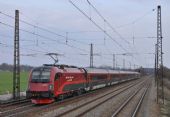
51, 82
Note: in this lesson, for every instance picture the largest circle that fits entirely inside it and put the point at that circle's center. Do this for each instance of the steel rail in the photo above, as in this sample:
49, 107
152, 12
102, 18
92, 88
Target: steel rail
6, 104
140, 102
126, 102
98, 98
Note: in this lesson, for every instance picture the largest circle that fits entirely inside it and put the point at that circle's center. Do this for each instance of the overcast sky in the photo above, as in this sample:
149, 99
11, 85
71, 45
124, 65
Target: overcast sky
134, 20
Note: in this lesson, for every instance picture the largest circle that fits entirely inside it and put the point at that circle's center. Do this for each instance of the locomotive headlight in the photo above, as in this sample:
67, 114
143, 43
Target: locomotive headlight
50, 87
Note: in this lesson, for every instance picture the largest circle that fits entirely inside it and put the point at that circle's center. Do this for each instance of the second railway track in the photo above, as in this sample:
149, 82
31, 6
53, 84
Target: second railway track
131, 106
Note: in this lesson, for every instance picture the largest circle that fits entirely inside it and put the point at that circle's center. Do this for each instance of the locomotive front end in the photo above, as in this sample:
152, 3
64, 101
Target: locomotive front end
40, 86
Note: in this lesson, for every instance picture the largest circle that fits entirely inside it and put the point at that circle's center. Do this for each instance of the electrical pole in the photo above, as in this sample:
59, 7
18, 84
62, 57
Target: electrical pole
16, 68
159, 66
114, 61
91, 55
130, 65
123, 63
66, 37
155, 64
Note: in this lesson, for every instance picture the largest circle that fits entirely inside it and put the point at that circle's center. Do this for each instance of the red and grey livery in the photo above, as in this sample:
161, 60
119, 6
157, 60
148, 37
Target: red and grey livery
51, 82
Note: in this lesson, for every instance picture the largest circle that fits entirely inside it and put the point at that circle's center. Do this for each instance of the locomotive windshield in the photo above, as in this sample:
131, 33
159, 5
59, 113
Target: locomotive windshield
41, 75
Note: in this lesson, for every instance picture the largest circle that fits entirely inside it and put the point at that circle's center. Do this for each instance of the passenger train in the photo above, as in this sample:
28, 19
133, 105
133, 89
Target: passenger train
50, 82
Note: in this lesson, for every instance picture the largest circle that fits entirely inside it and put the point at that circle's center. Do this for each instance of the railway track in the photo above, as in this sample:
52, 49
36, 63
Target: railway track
136, 99
14, 102
10, 106
92, 104
31, 108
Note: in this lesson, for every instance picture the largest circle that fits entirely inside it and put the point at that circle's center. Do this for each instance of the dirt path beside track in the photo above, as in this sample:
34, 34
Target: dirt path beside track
165, 109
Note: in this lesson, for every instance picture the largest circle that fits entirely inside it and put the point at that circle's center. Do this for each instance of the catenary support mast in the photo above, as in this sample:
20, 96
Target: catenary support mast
16, 67
91, 55
159, 59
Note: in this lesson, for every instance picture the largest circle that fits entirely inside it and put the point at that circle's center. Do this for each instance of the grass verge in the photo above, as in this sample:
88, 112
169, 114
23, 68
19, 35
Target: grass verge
6, 81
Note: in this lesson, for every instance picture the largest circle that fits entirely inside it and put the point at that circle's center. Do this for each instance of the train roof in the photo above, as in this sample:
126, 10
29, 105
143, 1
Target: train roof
94, 70
123, 71
105, 71
73, 69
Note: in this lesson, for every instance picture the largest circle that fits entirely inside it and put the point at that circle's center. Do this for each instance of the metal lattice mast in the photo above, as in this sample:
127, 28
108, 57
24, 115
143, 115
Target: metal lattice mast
155, 64
91, 55
159, 56
114, 61
123, 63
16, 68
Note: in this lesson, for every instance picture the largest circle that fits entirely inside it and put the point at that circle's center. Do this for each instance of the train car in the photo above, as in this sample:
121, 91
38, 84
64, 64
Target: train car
97, 78
51, 82
121, 76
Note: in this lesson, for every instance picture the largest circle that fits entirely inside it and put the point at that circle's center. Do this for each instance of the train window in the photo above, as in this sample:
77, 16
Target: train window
98, 77
57, 76
45, 75
35, 74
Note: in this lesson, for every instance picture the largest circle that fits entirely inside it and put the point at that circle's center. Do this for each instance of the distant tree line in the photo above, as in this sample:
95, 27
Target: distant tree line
8, 67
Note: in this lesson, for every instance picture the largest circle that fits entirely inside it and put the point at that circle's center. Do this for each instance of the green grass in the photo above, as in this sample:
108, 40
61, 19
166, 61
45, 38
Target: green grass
6, 81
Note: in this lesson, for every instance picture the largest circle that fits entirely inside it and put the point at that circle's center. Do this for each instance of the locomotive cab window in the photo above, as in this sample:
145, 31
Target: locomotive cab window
41, 75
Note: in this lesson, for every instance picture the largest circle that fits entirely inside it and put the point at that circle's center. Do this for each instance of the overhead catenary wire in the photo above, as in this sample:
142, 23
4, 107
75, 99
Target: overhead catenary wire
72, 32
83, 31
136, 20
11, 46
43, 53
34, 54
104, 19
33, 50
97, 25
29, 40
41, 36
28, 49
64, 54
44, 29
